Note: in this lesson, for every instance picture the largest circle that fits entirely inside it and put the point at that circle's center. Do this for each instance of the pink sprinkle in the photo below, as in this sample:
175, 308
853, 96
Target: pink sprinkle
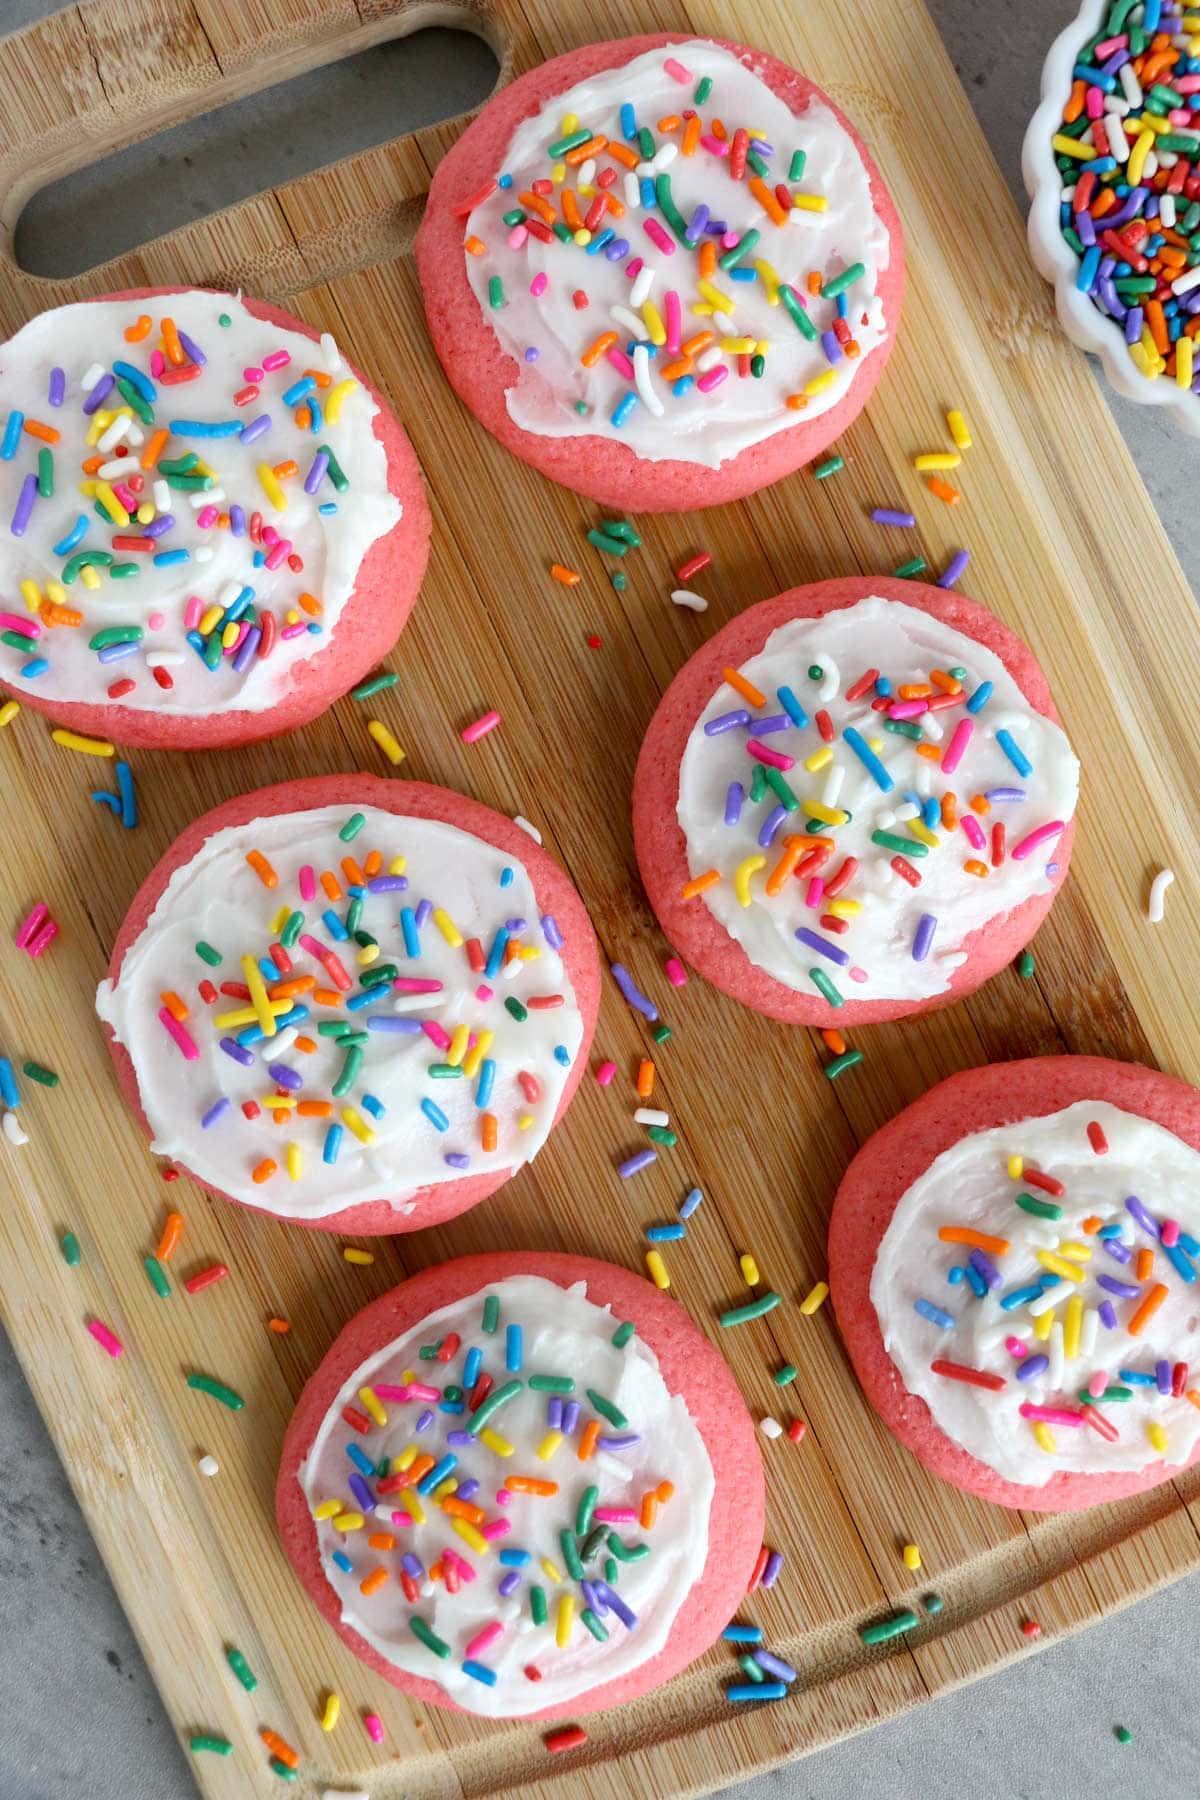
270, 535
676, 70
308, 882
158, 363
193, 612
252, 374
620, 362
1169, 1232
714, 146
530, 1086
1097, 1383
857, 974
483, 1640
470, 734
206, 516
728, 239
434, 1031
278, 359
503, 1497
496, 1528
44, 938
634, 267
464, 1568
973, 831
182, 1038
1029, 844
125, 495
372, 1721
105, 1338
291, 631
907, 709
402, 1518
815, 892
156, 621
517, 237
277, 554
1014, 1346
712, 378
484, 992
774, 759
538, 285
957, 746
414, 984
22, 626
1053, 1415
615, 1515
658, 236
1094, 102
32, 924
672, 320
676, 973
605, 1073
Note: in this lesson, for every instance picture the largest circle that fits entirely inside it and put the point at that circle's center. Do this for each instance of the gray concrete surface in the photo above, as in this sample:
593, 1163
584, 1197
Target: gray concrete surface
78, 1711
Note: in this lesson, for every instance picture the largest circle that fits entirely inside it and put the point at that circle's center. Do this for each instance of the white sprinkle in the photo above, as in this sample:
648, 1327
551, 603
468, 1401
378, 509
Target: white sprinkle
164, 659
162, 496
650, 1115
1166, 212
331, 353
693, 602
831, 681
1158, 891
633, 191
13, 1131
586, 174
1127, 75
533, 831
628, 321
203, 554
770, 1427
113, 434
640, 291
123, 465
210, 497
832, 791
92, 377
664, 157
645, 387
208, 1465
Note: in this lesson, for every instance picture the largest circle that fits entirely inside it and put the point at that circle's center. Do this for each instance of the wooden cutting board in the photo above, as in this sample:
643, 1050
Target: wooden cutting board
1065, 546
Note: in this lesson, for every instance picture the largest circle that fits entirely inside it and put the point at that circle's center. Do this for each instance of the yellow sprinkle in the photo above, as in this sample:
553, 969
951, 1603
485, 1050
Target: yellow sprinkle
1067, 146
912, 1557
406, 1458
957, 427
1183, 361
770, 281
1044, 1436
1137, 353
570, 123
749, 1269
111, 504
336, 399
328, 1509
582, 237
349, 1521
1137, 156
922, 833
293, 1161
145, 512
810, 202
1076, 1252
844, 909
258, 996
447, 927
1157, 1436
444, 1489
8, 713
280, 920
208, 619
1072, 1327
713, 294
280, 1103
1058, 1265
558, 173
828, 815
749, 866
247, 1015
738, 346
367, 955
89, 577
413, 1508
1016, 1167
658, 1269
525, 1122
31, 595
937, 459
269, 483
551, 1571
819, 758
57, 592
656, 331
330, 1712
1043, 1325
498, 1445
357, 1256
469, 1535
87, 746
373, 1404
397, 865
565, 1620
357, 1124
476, 1054
814, 1298
458, 1045
387, 743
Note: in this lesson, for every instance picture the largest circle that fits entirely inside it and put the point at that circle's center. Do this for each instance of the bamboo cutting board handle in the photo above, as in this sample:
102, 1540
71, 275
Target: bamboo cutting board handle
85, 83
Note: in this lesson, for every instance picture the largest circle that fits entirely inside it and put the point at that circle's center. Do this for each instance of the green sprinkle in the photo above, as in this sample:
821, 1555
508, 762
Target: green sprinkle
581, 407
904, 728
796, 166
15, 640
205, 1384
491, 1406
785, 1376
830, 466
178, 465
888, 1628
598, 1631
158, 1276
1122, 1733
352, 827
1111, 1393
623, 1333
659, 1134
825, 987
570, 1554
495, 292
611, 1571
816, 673
741, 249
537, 1604
241, 1668
606, 1409
491, 1312
218, 1745
754, 1309
427, 1352
592, 1543
841, 282
758, 365
1180, 141
1041, 1209
661, 1033
190, 484
333, 1028
71, 1253
585, 1509
1026, 965
515, 217
703, 90
45, 474
291, 931
646, 143
120, 571
224, 320
36, 1072
519, 1012
781, 790
958, 674
626, 1553
750, 1667
551, 1384
572, 141
907, 570
933, 1604
429, 1638
441, 1071
887, 840
758, 784
612, 546
283, 1771
795, 308
348, 1073
375, 685
620, 581
754, 161
621, 528
116, 634
207, 954
335, 470
134, 400
840, 1064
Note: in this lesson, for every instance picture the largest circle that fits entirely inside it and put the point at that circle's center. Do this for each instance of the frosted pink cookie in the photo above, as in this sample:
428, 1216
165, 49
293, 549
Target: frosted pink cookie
576, 1532
525, 324
429, 975
780, 803
251, 532
947, 1234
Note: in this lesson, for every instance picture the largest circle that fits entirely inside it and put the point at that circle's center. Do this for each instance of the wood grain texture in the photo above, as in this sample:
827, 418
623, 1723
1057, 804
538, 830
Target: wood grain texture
761, 1130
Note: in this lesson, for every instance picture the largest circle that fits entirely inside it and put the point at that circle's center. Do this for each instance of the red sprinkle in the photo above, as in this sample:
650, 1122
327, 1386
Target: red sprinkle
594, 643
825, 726
121, 687
758, 1570
862, 684
693, 566
196, 1284
358, 1420
569, 1738
1031, 1628
170, 1174
532, 1672
1049, 1184
1096, 1137
973, 1377
796, 1430
580, 302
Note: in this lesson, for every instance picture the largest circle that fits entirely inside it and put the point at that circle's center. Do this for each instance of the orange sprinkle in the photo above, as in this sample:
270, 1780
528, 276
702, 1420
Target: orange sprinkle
834, 1041
1103, 203
262, 868
1144, 1264
745, 688
700, 883
648, 1510
949, 811
691, 135
615, 207
295, 984
264, 1170
352, 872
311, 605
279, 1746
570, 211
155, 445
944, 491
784, 868
597, 348
314, 1109
914, 690
530, 1484
489, 1131
330, 883
973, 866
49, 434
645, 1079
665, 1490
1091, 1224
280, 1327
284, 470
766, 199
462, 1509
621, 153
382, 1540
701, 341
140, 328
674, 371
708, 258
174, 1005
979, 803
475, 246
171, 1234
560, 572
1147, 1309
319, 376
672, 122
798, 403
1191, 1395
978, 1240
303, 416
814, 282
587, 1443
717, 129
90, 464
372, 863
582, 152
1074, 107
534, 203
372, 1583
171, 344
327, 997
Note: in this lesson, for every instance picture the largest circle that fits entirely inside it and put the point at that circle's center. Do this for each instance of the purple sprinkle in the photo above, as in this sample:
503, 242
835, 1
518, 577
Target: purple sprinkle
459, 1440
776, 722
615, 1604
591, 1598
156, 527
926, 926
468, 1487
361, 1492
1116, 1249
831, 347
114, 652
771, 1572
551, 933
23, 510
726, 722
425, 1420
1031, 1368
633, 1165
256, 428
95, 399
570, 1417
217, 1111
985, 1268
237, 521
412, 1565
624, 1442
762, 147
285, 1077
58, 387
632, 993
514, 927
403, 1027
774, 1665
1137, 1211
316, 473
699, 220
1133, 324
1162, 1376
953, 569
1108, 1315
532, 353
814, 941
616, 250
387, 884
1086, 229
734, 796
510, 1583
239, 1053
554, 1412
1008, 793
423, 914
770, 826
192, 348
887, 515
455, 1159
1124, 1290
244, 654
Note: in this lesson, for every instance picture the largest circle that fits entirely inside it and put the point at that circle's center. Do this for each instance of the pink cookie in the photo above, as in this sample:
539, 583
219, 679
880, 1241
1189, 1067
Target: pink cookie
175, 1076
520, 353
1015, 1096
718, 1432
998, 908
327, 592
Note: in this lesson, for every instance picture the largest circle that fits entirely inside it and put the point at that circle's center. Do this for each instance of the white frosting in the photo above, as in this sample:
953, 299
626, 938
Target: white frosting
969, 1185
217, 898
704, 428
84, 341
564, 1333
904, 644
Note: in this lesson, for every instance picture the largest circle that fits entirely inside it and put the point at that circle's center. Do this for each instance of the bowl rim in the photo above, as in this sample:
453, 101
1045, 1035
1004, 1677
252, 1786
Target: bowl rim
1053, 257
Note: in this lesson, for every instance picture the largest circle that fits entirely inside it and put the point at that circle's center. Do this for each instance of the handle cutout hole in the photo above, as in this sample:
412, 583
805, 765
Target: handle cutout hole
247, 146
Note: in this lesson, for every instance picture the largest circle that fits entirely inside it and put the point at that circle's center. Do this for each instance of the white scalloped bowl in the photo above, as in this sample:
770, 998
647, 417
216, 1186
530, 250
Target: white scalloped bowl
1053, 256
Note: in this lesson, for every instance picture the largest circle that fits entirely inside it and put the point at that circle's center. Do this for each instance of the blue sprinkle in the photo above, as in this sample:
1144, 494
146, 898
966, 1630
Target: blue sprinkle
75, 536
141, 384
792, 707
562, 1055
12, 436
756, 1690
220, 428
1135, 1378
10, 1094
954, 1275
37, 665
333, 1143
1019, 1297
742, 1634
1014, 753
514, 1348
408, 925
472, 1367
935, 1314
435, 1115
480, 1672
867, 757
487, 1080
623, 408
690, 1203
375, 1107
362, 1463
665, 1234
514, 1559
506, 878
629, 128
343, 1562
975, 1280
980, 697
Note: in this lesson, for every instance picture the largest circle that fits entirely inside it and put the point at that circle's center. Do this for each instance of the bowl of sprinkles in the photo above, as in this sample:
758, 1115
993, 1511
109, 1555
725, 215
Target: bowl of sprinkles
1112, 165
354, 1004
523, 1485
663, 271
1013, 1263
211, 526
